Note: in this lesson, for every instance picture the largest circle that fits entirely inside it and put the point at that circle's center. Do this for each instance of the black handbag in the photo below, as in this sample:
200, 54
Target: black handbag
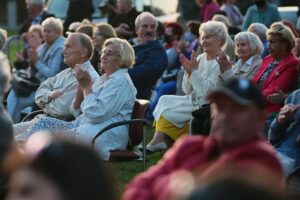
23, 83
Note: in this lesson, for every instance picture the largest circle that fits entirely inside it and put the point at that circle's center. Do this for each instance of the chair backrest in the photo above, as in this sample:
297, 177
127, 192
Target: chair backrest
136, 130
13, 45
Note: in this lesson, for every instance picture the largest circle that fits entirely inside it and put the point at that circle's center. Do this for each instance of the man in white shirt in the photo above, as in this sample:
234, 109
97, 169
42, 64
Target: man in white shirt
56, 94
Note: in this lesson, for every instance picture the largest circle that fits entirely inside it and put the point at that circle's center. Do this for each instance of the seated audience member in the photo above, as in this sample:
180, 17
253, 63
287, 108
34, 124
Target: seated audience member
284, 130
36, 14
44, 62
277, 74
123, 19
263, 12
5, 76
56, 94
6, 145
173, 113
34, 39
229, 46
235, 142
3, 37
151, 58
57, 169
191, 36
233, 13
167, 85
207, 9
101, 33
261, 31
248, 48
99, 103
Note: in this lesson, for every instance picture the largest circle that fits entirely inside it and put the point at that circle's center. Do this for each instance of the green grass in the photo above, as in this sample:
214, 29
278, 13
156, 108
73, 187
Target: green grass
125, 171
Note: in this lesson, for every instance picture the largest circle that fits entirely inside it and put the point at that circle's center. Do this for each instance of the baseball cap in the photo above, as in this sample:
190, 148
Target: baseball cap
242, 91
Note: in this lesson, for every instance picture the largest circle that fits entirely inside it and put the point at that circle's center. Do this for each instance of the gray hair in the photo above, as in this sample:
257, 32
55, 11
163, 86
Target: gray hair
253, 40
215, 28
259, 29
3, 37
36, 2
5, 75
54, 23
85, 41
141, 16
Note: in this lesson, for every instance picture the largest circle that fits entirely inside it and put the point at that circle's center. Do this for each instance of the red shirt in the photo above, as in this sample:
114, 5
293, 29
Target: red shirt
193, 152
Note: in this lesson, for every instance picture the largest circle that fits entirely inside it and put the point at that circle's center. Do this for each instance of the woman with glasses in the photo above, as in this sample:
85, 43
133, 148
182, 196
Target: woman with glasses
100, 103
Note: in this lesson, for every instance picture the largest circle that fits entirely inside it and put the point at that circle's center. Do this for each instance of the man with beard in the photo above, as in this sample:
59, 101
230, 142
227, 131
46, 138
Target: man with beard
262, 12
150, 56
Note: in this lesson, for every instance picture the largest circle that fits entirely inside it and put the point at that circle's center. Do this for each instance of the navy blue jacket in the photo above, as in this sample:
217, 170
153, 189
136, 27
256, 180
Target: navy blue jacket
150, 62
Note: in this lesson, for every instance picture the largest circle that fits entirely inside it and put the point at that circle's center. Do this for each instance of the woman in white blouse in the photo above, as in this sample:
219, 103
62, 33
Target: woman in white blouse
248, 48
109, 99
173, 113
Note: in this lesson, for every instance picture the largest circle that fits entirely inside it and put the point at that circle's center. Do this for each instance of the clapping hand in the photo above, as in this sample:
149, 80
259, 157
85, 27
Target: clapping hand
83, 78
33, 56
189, 65
223, 61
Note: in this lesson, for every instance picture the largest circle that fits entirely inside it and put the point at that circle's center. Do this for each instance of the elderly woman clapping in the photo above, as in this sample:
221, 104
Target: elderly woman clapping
97, 104
173, 113
44, 62
248, 48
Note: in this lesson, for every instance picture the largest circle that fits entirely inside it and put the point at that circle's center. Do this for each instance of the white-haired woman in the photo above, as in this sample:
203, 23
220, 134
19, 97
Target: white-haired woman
109, 99
44, 62
173, 113
248, 48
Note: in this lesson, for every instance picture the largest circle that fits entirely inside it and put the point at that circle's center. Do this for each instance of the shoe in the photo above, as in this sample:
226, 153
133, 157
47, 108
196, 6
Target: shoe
156, 147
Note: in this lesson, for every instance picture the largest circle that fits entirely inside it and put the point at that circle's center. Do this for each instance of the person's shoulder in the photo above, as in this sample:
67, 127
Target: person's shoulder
272, 6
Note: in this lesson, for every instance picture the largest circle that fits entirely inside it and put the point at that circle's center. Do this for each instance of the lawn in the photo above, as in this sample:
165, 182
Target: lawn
125, 171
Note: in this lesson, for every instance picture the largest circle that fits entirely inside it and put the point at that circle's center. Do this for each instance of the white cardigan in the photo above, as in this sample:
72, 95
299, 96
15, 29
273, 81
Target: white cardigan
112, 100
178, 109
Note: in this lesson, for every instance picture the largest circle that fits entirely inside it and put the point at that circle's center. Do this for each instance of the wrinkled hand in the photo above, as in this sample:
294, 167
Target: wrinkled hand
278, 97
287, 112
223, 61
83, 78
189, 65
56, 93
33, 56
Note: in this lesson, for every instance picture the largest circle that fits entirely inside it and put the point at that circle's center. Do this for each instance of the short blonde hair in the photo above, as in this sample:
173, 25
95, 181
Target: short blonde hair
253, 40
3, 37
285, 34
54, 23
125, 50
215, 28
5, 75
36, 28
106, 30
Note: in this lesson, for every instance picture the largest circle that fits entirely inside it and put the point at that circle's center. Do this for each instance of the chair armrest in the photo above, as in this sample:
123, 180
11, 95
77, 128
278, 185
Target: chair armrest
31, 115
116, 124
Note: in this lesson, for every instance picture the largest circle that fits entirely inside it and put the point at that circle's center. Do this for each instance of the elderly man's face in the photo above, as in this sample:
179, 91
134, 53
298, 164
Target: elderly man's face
147, 29
73, 51
234, 123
